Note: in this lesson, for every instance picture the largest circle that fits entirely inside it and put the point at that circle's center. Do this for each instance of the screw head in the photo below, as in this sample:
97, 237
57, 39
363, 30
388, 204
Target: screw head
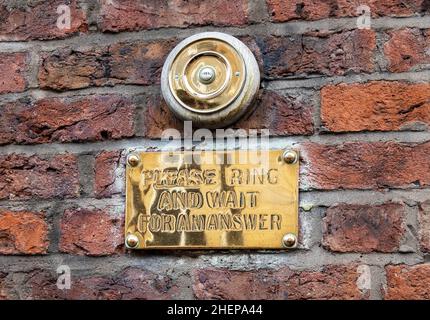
289, 240
290, 156
133, 160
132, 241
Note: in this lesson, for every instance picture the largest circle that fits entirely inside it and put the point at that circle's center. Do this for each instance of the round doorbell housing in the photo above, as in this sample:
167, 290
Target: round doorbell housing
210, 78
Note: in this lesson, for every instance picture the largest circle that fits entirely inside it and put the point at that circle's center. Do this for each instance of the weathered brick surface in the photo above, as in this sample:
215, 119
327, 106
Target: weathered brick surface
13, 72
23, 233
322, 53
87, 118
375, 106
407, 49
331, 282
282, 115
140, 14
408, 282
141, 62
348, 99
424, 225
363, 228
157, 116
360, 165
283, 10
28, 20
4, 294
33, 177
251, 43
122, 63
129, 284
105, 174
90, 232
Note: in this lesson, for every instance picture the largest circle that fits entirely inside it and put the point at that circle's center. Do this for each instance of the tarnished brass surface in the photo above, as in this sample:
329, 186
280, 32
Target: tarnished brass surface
211, 79
194, 92
171, 204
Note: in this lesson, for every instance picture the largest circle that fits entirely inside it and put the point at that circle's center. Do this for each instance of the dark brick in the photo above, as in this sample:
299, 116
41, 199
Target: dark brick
123, 63
331, 282
130, 283
106, 182
32, 177
363, 165
318, 53
282, 115
364, 228
285, 10
87, 118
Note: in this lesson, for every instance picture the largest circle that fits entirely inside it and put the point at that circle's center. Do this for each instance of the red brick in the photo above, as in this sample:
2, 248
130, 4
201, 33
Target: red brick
408, 282
252, 45
138, 15
157, 117
90, 232
331, 282
13, 72
129, 284
38, 20
87, 118
424, 225
375, 106
318, 53
407, 49
364, 228
23, 233
28, 177
105, 181
282, 115
123, 63
141, 62
361, 165
285, 10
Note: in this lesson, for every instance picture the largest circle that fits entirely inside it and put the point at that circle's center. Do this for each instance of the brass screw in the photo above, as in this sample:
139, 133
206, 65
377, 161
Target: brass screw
133, 160
290, 156
289, 240
132, 241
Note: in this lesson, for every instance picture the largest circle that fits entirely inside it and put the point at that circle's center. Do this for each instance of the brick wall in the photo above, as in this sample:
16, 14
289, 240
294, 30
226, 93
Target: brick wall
355, 101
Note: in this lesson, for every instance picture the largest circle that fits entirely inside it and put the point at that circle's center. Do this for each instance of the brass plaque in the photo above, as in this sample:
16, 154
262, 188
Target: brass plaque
211, 200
